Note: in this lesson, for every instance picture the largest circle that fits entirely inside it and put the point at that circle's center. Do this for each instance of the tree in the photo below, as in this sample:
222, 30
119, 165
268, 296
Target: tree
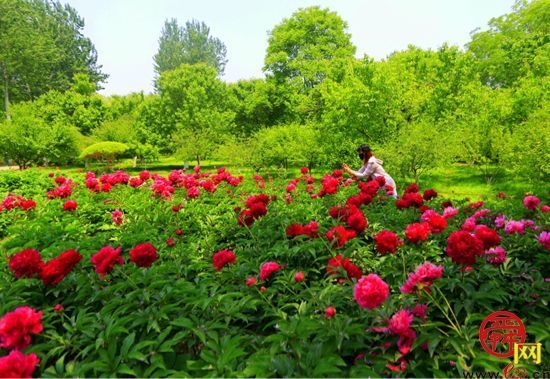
199, 101
514, 45
188, 44
42, 48
26, 138
302, 48
257, 104
286, 144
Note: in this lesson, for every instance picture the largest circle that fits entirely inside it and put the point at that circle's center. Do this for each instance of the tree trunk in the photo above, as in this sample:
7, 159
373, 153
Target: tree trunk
6, 96
134, 162
198, 160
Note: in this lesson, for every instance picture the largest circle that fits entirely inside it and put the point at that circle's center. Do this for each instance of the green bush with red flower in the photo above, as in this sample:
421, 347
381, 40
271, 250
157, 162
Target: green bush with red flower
210, 274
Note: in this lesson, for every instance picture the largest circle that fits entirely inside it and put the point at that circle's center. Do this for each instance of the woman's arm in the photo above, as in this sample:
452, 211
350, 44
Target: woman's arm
364, 172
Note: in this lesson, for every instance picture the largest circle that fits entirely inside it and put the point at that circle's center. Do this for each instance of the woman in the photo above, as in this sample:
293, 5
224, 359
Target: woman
372, 168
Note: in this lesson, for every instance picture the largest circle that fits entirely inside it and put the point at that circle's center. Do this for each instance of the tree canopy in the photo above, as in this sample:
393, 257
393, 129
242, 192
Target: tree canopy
42, 48
188, 44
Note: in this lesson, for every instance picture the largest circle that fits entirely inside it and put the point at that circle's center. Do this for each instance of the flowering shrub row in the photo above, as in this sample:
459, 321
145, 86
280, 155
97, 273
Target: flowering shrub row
231, 276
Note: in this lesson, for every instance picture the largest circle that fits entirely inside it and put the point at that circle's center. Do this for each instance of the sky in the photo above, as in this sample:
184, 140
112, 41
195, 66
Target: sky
126, 32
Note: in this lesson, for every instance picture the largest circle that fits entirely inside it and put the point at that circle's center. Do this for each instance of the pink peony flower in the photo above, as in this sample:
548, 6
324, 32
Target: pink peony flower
500, 221
118, 216
370, 291
513, 227
544, 239
450, 212
400, 322
423, 277
496, 255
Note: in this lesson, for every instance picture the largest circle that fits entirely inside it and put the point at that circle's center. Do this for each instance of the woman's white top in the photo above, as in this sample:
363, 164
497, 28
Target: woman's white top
372, 169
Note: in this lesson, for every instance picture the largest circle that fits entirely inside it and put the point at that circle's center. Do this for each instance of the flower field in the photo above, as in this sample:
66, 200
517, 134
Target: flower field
213, 274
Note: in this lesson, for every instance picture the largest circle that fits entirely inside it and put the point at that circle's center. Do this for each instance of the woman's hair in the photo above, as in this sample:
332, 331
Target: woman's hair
363, 151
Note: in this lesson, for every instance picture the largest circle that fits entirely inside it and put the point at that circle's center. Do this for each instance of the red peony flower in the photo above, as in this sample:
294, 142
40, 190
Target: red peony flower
299, 277
60, 180
135, 182
337, 265
330, 312
69, 205
268, 269
222, 258
369, 188
144, 255
304, 170
531, 202
464, 248
339, 235
400, 322
446, 204
405, 341
16, 328
27, 204
309, 230
412, 188
27, 263
144, 175
437, 222
356, 220
170, 242
58, 308
179, 232
193, 192
429, 194
105, 259
330, 185
401, 204
370, 291
58, 268
417, 232
422, 278
251, 281
381, 180
419, 311
18, 365
488, 236
261, 198
413, 199
387, 242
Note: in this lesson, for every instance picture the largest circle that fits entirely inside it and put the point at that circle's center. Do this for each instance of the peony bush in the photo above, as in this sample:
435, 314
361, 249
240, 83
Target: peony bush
211, 274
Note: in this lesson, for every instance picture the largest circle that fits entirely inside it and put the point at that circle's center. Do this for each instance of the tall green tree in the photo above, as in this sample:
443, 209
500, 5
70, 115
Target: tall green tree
188, 44
515, 44
201, 105
302, 48
42, 48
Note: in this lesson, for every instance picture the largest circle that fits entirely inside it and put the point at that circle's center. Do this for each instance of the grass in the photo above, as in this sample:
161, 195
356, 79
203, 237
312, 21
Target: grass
464, 181
454, 181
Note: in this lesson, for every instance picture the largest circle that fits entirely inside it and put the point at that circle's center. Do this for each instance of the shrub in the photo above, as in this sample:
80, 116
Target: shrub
104, 151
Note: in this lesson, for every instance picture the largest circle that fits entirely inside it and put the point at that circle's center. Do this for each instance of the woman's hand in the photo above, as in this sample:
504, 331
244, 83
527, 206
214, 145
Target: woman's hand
347, 169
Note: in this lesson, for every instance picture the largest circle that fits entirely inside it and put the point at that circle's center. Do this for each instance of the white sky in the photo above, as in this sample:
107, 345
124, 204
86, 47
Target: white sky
125, 32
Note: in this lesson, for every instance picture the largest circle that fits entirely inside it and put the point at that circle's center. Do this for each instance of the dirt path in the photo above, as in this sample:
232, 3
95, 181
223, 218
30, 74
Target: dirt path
3, 168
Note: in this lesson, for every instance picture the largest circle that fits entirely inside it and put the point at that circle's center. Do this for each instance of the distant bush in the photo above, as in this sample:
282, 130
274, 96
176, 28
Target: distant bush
105, 151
